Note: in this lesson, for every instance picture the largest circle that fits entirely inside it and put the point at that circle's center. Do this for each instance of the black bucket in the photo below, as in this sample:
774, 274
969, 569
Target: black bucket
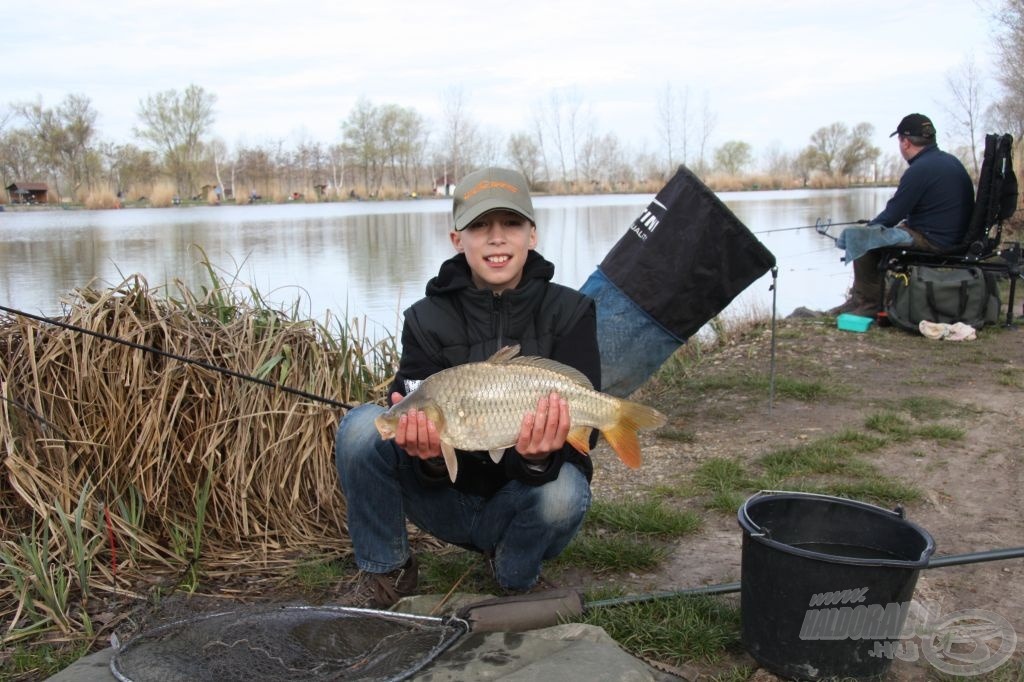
826, 583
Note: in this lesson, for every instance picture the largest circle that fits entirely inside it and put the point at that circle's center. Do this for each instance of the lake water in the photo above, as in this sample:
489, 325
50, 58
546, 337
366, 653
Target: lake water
370, 260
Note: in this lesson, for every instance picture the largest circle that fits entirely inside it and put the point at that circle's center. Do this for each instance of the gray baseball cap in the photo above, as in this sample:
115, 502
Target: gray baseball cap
491, 189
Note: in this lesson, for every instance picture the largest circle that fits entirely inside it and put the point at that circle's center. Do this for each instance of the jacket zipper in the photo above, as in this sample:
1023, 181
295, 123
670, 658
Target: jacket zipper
498, 311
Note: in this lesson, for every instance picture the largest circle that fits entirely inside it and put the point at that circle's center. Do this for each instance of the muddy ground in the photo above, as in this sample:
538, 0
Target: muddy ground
970, 488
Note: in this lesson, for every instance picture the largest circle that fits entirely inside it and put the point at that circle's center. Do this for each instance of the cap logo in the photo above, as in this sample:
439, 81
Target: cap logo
491, 184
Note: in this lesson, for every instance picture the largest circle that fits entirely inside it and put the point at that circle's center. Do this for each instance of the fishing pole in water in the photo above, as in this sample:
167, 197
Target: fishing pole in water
820, 225
201, 363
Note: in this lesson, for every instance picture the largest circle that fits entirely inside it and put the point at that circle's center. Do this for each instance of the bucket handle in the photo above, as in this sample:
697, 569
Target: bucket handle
766, 533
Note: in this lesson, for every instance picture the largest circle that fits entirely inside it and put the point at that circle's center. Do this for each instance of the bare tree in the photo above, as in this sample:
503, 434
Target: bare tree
708, 122
857, 153
964, 83
525, 156
363, 139
540, 138
566, 128
218, 150
1008, 112
457, 131
828, 142
668, 125
551, 122
175, 124
336, 158
602, 161
776, 162
64, 137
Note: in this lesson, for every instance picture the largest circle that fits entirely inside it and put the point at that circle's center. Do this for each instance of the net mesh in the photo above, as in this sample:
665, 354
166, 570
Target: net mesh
286, 643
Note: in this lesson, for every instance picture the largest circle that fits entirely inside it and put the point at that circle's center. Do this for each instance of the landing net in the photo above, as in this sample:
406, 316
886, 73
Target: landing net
286, 643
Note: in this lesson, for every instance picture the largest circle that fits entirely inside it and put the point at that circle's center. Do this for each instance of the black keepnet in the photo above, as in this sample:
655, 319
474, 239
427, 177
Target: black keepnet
686, 257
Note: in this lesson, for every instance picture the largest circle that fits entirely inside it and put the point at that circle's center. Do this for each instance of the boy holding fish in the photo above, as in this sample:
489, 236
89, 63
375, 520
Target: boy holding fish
518, 502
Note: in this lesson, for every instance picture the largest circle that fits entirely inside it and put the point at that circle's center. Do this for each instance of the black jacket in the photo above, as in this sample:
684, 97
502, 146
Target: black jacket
457, 323
935, 196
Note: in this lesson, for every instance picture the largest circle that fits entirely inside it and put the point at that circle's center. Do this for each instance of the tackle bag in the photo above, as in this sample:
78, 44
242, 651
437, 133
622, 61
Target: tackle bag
963, 294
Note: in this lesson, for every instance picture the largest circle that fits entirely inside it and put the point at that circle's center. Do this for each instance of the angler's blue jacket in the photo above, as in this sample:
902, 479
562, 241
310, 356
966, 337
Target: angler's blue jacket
457, 323
935, 196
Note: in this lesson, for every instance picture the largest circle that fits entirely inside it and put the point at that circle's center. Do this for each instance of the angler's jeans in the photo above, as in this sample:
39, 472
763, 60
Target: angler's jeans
520, 526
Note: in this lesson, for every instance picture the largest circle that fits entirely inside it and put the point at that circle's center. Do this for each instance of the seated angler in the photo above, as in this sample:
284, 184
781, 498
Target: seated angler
930, 211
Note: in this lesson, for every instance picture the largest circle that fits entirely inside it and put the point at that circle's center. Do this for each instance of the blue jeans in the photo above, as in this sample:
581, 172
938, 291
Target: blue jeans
633, 344
520, 526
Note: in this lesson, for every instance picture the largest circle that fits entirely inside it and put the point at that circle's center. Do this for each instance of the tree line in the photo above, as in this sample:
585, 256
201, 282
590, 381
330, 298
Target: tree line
386, 149
383, 150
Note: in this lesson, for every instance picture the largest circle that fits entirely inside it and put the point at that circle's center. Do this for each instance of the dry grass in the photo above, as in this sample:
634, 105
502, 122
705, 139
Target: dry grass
162, 196
119, 462
99, 199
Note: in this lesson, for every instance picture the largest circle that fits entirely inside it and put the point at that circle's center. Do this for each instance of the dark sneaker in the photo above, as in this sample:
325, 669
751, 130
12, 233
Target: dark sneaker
383, 590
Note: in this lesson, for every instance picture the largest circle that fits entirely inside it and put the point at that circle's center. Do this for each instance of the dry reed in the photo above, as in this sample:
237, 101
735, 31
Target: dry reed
165, 461
162, 195
99, 199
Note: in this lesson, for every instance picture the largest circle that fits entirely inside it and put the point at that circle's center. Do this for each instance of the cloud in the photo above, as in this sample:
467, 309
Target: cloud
771, 71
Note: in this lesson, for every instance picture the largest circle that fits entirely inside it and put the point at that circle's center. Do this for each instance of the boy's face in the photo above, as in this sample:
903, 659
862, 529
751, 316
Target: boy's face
496, 245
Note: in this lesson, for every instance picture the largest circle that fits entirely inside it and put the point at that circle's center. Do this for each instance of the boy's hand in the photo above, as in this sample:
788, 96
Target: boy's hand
544, 430
416, 434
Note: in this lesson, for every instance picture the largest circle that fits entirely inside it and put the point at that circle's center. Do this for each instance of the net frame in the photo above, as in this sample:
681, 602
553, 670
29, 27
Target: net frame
177, 650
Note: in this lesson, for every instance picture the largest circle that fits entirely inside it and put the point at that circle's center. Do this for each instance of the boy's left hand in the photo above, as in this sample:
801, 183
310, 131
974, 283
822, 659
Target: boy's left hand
544, 430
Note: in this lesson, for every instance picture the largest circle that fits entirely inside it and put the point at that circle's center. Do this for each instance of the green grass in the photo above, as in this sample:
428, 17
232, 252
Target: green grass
879, 490
319, 574
737, 674
720, 475
612, 552
40, 661
646, 517
828, 456
677, 435
726, 501
672, 629
627, 536
1011, 377
439, 572
926, 407
828, 466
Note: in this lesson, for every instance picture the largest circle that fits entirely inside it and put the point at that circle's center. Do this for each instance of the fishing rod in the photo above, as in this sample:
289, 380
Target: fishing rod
181, 358
727, 588
819, 225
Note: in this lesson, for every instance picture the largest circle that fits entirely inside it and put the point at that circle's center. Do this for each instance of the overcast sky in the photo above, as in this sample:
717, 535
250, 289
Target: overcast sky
772, 71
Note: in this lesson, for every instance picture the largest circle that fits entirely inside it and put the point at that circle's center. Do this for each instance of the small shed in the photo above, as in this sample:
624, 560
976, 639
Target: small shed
28, 192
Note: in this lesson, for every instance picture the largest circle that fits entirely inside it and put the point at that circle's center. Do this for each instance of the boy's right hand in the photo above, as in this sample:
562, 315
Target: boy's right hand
416, 434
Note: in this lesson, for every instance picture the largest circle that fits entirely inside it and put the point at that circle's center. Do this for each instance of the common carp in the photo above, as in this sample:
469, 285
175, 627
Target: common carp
480, 406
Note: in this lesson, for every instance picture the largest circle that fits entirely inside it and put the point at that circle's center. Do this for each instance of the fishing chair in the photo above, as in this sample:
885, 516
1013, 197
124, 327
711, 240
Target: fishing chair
995, 201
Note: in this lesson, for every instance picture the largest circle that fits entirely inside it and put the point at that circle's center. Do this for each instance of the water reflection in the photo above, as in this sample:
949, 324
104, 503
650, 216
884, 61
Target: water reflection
373, 259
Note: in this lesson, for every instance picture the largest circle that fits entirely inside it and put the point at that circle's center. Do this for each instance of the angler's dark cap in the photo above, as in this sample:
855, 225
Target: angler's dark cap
488, 190
915, 125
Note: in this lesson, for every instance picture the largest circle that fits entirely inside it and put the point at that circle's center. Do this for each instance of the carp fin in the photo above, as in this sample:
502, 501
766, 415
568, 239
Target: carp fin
504, 354
450, 460
579, 438
621, 435
509, 355
496, 454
